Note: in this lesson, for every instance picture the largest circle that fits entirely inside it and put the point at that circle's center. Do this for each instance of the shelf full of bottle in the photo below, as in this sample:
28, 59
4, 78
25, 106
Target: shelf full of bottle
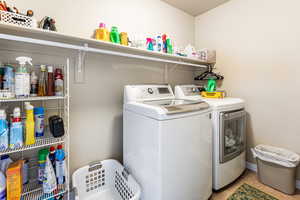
39, 174
21, 80
31, 125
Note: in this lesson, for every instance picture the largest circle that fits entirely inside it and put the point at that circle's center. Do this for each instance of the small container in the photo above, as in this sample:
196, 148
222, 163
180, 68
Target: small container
102, 33
39, 116
16, 130
4, 130
9, 82
50, 81
33, 84
42, 82
59, 82
114, 35
124, 38
42, 155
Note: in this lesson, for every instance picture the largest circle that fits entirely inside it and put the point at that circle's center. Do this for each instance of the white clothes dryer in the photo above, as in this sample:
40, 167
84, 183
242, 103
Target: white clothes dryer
229, 134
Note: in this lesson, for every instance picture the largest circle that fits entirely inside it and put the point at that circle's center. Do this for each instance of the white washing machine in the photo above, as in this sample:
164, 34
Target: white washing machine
167, 143
229, 134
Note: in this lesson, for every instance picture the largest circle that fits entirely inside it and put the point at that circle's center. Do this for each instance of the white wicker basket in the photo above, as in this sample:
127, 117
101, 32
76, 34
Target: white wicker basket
105, 180
16, 19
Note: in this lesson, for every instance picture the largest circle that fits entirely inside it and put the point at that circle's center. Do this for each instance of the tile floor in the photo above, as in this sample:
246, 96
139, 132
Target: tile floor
251, 179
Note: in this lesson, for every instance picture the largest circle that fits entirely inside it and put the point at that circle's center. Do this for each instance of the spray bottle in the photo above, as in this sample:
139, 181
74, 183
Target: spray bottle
29, 124
22, 78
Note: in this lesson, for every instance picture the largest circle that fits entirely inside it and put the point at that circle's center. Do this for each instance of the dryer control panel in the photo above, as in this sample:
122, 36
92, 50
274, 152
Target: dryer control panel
183, 91
147, 92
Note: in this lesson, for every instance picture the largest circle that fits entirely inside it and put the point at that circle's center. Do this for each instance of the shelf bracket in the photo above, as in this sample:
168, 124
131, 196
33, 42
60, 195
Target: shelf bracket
80, 65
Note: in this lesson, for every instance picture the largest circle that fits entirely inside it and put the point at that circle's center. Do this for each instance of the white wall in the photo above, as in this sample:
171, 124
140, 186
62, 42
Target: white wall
258, 47
96, 106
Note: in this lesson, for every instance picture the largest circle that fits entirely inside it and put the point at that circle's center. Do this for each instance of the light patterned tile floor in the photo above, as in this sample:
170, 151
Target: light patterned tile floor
251, 179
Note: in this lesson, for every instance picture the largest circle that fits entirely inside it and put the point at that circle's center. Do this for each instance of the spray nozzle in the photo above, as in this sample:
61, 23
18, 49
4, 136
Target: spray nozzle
23, 60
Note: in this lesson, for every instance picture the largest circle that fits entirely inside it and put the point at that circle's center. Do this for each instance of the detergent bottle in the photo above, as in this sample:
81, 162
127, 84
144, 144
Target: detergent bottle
29, 124
60, 165
114, 35
3, 131
102, 33
22, 78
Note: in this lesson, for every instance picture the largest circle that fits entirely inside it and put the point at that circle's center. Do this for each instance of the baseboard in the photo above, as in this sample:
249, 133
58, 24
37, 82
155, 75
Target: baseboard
253, 167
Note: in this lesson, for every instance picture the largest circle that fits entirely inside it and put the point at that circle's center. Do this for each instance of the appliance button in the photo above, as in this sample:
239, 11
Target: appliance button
150, 91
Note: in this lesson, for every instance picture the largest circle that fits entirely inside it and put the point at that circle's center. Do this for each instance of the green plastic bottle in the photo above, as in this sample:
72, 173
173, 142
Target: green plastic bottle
211, 85
114, 35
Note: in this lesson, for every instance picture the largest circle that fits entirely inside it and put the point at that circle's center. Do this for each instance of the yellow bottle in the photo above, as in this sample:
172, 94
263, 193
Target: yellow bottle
102, 33
29, 125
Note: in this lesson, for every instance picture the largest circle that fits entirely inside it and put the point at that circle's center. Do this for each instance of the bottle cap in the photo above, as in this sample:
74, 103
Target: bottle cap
28, 106
43, 68
23, 60
102, 25
17, 112
39, 110
52, 149
43, 154
59, 146
50, 69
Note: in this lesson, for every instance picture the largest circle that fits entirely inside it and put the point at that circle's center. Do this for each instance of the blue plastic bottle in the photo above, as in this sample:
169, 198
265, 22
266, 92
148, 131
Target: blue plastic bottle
60, 165
3, 131
39, 116
16, 130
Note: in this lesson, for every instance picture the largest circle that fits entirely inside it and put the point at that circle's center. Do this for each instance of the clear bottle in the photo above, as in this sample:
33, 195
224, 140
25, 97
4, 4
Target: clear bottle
50, 81
3, 131
22, 78
42, 82
33, 84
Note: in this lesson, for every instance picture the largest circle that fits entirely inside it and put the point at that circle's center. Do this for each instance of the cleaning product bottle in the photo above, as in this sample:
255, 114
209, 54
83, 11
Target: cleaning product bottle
164, 41
114, 35
169, 46
22, 78
5, 161
29, 125
3, 131
52, 156
2, 186
102, 33
16, 130
9, 81
39, 116
42, 155
42, 82
33, 84
50, 82
149, 44
159, 44
59, 82
60, 165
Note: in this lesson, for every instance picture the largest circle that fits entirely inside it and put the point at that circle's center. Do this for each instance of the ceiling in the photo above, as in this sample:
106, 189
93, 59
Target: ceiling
195, 7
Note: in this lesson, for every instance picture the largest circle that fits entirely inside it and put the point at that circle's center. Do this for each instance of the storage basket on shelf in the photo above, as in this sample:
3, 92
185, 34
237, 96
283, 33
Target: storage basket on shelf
16, 19
105, 180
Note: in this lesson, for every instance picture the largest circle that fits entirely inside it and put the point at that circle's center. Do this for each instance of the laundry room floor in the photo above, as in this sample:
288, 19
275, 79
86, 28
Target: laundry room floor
251, 179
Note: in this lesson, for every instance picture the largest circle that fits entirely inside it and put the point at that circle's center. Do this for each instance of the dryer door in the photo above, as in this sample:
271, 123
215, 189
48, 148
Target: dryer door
232, 134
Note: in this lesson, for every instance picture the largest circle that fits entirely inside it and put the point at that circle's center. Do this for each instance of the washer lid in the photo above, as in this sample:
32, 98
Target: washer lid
225, 102
174, 106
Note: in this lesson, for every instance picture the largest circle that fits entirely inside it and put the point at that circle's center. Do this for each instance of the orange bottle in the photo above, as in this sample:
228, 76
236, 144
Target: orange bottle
102, 33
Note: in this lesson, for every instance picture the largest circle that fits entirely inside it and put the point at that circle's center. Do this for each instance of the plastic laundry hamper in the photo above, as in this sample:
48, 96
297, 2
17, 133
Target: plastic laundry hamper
105, 180
276, 167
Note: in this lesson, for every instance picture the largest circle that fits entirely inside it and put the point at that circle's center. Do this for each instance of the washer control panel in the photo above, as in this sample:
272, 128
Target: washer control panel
148, 92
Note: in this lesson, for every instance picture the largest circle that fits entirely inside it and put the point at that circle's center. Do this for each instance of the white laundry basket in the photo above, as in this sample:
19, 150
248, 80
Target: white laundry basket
105, 180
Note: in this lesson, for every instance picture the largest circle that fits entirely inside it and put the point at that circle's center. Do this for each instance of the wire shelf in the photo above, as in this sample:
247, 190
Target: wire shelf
33, 99
38, 144
34, 191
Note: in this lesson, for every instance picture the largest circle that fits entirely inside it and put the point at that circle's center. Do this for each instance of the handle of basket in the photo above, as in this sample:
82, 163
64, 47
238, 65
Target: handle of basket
95, 163
125, 173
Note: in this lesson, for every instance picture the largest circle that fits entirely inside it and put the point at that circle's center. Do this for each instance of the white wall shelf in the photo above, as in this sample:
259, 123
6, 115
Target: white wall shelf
55, 39
46, 98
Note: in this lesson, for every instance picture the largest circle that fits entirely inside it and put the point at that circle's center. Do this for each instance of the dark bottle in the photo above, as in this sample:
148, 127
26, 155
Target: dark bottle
50, 82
